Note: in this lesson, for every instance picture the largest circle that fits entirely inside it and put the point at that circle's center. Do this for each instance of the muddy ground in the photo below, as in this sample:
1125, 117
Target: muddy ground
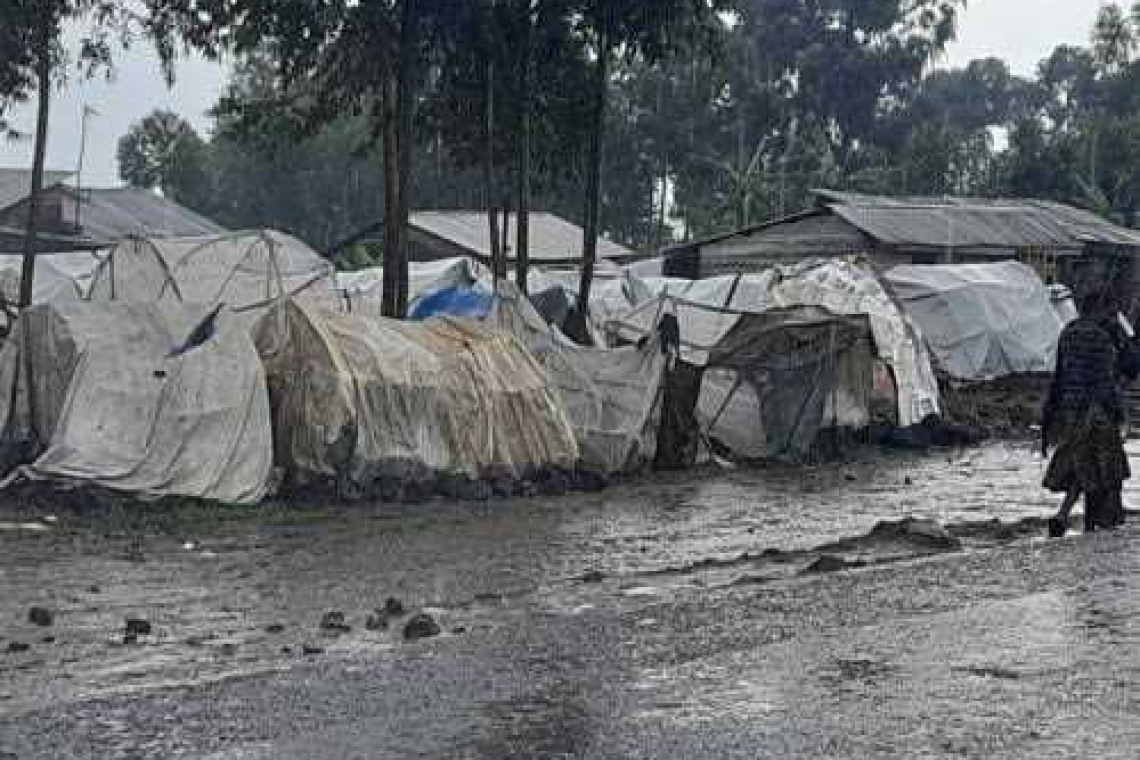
889, 606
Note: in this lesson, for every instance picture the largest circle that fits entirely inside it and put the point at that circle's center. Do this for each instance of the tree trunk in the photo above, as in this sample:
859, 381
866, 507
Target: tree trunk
31, 230
489, 161
393, 228
397, 128
522, 223
505, 240
405, 107
594, 178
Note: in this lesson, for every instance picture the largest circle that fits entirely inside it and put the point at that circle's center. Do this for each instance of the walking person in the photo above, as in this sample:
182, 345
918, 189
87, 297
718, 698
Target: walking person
1082, 418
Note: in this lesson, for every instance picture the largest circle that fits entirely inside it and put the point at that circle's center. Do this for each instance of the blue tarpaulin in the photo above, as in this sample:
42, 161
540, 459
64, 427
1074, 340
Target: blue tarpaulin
469, 302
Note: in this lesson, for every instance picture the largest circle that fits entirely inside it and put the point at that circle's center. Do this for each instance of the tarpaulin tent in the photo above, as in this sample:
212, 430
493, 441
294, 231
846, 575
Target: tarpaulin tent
773, 379
247, 271
364, 400
793, 372
467, 302
843, 287
362, 291
66, 275
114, 408
981, 321
612, 397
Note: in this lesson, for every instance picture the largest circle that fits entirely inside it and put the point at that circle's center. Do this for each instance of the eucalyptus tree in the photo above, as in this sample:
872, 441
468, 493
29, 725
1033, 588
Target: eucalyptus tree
333, 58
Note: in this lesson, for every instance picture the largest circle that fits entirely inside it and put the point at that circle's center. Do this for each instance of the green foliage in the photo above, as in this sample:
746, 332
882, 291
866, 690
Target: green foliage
163, 151
733, 117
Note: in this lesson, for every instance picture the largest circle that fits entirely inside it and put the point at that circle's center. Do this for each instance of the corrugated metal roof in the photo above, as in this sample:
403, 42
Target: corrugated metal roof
16, 184
112, 215
959, 227
1088, 227
975, 222
552, 238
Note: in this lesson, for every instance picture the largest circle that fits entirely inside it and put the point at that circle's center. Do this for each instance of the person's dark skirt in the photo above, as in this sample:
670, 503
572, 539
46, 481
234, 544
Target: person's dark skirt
1090, 455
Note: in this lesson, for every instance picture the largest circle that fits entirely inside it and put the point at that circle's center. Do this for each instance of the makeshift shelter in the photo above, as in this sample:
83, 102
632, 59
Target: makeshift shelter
842, 287
247, 271
774, 379
981, 321
362, 291
116, 407
611, 396
50, 284
361, 401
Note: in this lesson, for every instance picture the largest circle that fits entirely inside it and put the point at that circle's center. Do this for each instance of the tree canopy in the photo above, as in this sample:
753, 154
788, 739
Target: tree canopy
712, 116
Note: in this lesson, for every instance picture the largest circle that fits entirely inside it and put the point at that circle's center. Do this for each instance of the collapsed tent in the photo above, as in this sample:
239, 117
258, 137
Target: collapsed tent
362, 401
247, 271
116, 407
842, 287
612, 397
981, 321
772, 380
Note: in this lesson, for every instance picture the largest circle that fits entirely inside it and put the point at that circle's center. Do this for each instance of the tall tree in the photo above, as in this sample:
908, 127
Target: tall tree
334, 58
163, 151
629, 29
1114, 38
31, 60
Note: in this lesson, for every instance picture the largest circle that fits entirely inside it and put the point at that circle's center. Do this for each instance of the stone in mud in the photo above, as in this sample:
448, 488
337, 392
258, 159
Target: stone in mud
311, 650
229, 649
17, 647
593, 576
422, 626
377, 621
41, 616
275, 628
925, 532
394, 607
334, 622
136, 627
94, 589
932, 534
829, 563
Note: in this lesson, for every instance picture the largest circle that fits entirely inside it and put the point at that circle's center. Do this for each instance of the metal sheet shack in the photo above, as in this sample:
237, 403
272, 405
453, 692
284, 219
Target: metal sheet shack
1062, 243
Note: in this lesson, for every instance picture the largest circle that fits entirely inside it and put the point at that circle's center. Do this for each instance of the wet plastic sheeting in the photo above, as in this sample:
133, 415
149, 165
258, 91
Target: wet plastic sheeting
362, 292
779, 378
612, 397
247, 271
708, 309
114, 409
982, 321
365, 400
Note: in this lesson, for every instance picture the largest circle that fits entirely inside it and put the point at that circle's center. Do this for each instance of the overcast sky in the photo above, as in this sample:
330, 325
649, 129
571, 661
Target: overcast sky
1020, 31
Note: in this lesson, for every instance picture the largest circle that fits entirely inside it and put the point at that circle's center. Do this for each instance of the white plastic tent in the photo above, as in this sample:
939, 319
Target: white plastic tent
364, 400
843, 287
362, 291
247, 271
114, 408
772, 380
58, 275
981, 321
612, 397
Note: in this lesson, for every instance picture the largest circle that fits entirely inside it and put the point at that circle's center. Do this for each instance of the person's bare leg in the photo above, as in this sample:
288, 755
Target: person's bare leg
1059, 524
1094, 505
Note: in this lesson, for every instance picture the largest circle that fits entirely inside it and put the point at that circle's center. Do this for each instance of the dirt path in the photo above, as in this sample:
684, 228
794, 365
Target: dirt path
728, 615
